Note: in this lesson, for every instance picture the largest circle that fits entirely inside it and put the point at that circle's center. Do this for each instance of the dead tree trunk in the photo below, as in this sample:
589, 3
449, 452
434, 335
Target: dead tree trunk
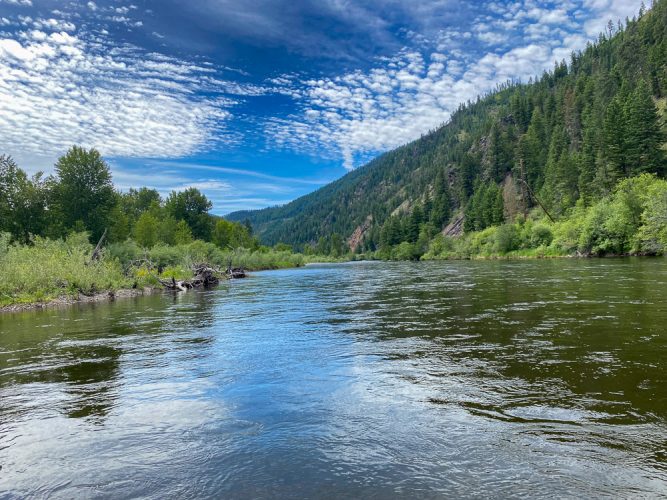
98, 248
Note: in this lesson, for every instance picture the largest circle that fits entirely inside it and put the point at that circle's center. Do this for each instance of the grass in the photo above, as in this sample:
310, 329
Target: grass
50, 269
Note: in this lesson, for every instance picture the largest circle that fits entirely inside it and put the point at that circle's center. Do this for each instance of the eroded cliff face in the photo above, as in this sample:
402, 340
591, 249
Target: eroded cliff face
358, 235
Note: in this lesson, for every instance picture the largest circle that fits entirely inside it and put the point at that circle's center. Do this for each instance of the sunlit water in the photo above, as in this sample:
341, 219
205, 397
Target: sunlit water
475, 379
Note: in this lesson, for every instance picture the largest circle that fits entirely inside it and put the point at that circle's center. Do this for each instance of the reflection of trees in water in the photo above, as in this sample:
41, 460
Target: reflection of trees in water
92, 381
80, 354
564, 330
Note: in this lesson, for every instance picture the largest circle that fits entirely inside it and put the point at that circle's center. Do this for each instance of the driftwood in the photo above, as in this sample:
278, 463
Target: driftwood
98, 248
204, 276
234, 272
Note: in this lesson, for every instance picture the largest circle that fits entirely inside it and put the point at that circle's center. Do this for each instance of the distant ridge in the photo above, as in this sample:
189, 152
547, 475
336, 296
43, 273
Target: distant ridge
568, 137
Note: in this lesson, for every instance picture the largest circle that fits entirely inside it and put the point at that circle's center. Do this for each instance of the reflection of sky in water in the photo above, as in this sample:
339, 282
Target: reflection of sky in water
369, 379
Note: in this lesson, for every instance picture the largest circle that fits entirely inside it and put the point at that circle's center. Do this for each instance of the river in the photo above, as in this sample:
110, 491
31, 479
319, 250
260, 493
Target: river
376, 380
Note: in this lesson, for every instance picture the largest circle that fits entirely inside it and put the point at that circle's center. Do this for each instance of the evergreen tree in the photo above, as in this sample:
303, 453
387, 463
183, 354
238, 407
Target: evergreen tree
643, 136
611, 166
441, 206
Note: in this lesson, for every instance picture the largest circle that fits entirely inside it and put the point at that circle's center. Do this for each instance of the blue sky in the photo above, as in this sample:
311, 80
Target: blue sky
257, 102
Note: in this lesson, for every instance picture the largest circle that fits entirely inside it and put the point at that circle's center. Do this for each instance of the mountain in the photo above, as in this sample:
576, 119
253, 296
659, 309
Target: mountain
566, 138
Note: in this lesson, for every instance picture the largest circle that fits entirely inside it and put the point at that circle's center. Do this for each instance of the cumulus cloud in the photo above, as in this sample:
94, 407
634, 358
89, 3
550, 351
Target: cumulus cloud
360, 113
59, 88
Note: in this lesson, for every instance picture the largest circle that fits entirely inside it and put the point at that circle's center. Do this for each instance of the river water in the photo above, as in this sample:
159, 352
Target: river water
374, 380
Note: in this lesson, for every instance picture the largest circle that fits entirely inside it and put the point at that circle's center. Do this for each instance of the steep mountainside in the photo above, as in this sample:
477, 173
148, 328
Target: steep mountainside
568, 137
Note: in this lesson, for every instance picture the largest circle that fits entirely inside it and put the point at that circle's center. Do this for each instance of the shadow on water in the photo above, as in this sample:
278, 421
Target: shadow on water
75, 355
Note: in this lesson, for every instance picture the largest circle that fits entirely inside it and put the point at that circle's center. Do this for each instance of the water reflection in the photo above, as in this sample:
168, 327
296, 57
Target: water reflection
368, 379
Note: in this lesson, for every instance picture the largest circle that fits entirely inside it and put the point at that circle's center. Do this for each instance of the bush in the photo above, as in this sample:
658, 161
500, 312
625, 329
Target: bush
406, 251
125, 252
50, 268
506, 239
163, 255
540, 235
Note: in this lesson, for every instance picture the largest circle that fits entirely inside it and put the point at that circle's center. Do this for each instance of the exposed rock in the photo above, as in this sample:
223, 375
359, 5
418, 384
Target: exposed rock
358, 235
455, 228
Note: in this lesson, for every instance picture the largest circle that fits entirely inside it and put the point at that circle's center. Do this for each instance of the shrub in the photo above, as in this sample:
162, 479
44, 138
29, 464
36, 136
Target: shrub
506, 239
126, 252
51, 268
540, 235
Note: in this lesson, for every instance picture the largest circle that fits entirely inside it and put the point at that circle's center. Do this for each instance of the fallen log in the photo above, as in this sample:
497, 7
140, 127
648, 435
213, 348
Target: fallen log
235, 272
204, 276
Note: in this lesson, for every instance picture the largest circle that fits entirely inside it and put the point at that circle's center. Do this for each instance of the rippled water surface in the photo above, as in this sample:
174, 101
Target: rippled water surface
483, 379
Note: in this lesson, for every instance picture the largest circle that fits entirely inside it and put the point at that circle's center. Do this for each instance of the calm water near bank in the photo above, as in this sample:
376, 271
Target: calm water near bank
378, 380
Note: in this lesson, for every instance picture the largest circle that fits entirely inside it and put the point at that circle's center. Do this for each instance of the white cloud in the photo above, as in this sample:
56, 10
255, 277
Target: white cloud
59, 89
359, 114
23, 3
54, 24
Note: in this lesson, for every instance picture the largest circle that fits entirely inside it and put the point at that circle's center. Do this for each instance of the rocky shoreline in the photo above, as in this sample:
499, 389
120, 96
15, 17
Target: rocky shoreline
64, 301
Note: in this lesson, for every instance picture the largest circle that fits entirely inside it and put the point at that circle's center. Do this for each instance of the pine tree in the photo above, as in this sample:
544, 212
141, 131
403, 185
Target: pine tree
643, 136
413, 224
440, 209
611, 166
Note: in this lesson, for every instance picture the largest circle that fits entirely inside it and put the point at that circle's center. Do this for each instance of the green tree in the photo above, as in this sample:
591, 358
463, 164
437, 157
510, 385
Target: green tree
192, 207
22, 201
413, 224
612, 165
84, 191
119, 228
441, 206
643, 135
146, 230
223, 234
167, 228
137, 201
183, 234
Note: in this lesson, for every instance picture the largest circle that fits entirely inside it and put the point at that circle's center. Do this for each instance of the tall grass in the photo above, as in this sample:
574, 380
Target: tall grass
53, 268
185, 256
48, 269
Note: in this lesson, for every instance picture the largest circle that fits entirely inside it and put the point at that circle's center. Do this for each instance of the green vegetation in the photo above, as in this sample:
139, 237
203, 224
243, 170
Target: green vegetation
81, 197
566, 139
632, 220
571, 163
47, 269
48, 227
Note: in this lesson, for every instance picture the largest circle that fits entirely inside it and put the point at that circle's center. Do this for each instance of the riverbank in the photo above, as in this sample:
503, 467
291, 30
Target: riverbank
61, 272
68, 301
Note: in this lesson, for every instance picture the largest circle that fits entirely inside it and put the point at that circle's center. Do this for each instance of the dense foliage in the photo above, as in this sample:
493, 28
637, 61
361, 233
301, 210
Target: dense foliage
631, 220
563, 140
48, 228
81, 197
50, 268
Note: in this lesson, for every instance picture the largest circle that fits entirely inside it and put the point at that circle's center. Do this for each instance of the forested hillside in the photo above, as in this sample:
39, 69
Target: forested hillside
564, 140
